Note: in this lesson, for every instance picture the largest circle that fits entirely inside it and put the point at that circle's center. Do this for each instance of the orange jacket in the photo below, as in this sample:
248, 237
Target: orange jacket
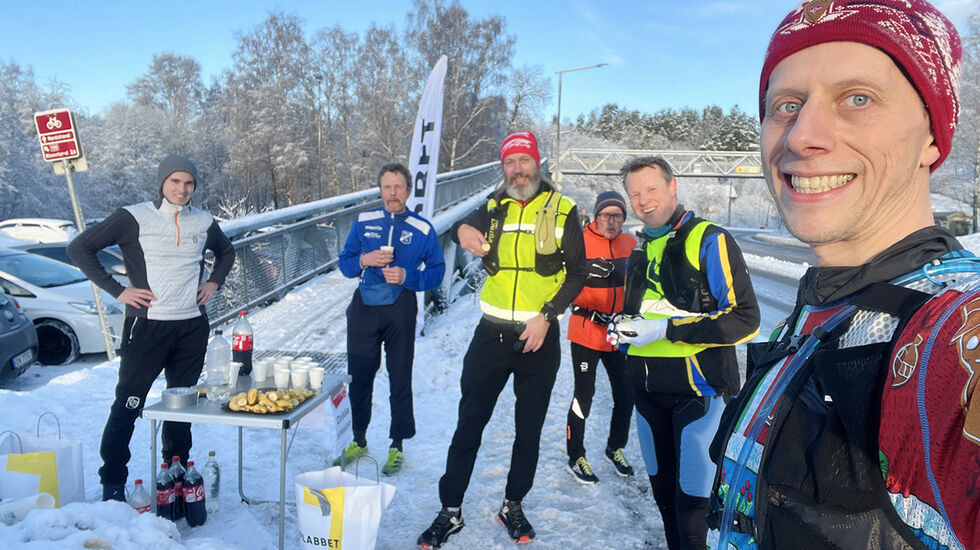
604, 295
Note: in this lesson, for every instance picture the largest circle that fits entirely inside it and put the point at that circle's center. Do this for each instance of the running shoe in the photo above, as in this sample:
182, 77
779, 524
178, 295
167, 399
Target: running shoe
446, 523
353, 452
394, 463
623, 468
582, 470
512, 517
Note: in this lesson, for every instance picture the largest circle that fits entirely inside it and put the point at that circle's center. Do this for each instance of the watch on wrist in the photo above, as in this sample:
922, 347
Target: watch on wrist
549, 313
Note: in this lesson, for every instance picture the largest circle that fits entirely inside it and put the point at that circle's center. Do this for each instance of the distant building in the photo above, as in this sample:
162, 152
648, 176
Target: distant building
958, 223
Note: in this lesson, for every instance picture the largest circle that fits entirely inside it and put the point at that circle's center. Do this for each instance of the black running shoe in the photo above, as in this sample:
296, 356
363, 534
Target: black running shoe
445, 524
582, 471
615, 456
512, 517
114, 492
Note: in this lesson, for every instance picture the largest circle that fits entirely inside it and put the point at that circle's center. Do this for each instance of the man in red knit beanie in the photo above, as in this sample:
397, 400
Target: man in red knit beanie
859, 424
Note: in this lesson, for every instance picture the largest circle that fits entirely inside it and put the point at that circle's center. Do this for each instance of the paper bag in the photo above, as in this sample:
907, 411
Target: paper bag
338, 510
30, 464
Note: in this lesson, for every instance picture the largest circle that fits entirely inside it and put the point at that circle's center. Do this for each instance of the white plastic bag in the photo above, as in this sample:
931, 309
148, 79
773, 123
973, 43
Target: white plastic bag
339, 510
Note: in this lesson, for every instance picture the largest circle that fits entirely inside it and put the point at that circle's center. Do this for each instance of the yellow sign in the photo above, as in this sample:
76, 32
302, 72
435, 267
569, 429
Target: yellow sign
747, 170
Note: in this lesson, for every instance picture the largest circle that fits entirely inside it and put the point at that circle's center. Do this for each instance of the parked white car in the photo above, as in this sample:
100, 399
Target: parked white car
58, 298
38, 230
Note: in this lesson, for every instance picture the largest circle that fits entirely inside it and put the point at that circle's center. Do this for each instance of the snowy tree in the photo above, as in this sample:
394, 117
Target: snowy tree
479, 53
528, 91
387, 117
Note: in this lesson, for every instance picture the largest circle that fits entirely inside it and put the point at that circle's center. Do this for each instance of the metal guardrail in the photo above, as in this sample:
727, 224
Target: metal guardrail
281, 249
607, 162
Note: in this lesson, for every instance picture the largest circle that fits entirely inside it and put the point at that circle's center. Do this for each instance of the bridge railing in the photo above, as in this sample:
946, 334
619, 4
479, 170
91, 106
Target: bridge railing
607, 162
281, 249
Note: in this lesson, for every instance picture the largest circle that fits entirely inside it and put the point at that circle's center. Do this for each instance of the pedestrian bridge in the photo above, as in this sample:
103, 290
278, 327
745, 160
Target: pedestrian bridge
607, 162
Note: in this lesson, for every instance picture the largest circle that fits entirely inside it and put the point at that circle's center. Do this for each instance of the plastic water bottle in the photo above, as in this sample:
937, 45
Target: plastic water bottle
241, 343
165, 493
217, 359
195, 502
177, 473
139, 499
212, 481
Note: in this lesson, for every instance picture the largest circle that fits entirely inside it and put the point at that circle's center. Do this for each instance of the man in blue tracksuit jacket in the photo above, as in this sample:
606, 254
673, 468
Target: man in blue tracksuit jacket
396, 253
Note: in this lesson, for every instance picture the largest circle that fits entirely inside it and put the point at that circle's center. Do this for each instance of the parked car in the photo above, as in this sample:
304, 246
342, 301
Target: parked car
38, 230
111, 258
58, 298
18, 339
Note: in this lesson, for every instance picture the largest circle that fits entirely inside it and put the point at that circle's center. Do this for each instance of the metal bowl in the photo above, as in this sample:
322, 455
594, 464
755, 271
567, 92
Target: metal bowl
179, 398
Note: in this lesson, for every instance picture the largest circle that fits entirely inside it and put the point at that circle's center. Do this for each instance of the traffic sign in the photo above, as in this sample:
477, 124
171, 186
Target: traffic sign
57, 135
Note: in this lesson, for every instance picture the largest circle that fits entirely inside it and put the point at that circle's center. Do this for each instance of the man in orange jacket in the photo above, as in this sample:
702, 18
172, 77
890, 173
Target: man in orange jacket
606, 251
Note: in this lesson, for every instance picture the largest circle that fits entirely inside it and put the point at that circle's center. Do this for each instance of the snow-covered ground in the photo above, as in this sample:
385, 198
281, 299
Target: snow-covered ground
616, 513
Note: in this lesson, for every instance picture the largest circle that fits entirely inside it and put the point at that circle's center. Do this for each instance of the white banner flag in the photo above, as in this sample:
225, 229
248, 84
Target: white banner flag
423, 163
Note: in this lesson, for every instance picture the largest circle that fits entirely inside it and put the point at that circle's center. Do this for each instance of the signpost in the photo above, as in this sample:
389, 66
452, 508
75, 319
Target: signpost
60, 145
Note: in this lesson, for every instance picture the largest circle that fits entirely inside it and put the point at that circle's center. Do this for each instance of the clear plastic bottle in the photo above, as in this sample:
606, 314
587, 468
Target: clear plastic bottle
217, 360
139, 499
212, 483
241, 343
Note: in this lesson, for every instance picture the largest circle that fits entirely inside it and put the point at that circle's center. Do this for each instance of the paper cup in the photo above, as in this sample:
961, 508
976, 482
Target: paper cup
12, 511
260, 369
300, 377
316, 378
234, 368
282, 378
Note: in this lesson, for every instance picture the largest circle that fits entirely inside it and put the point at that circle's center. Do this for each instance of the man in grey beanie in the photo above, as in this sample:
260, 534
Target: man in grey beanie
166, 328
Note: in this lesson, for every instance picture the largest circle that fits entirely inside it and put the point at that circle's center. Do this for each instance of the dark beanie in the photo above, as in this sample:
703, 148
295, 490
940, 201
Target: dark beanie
175, 163
609, 198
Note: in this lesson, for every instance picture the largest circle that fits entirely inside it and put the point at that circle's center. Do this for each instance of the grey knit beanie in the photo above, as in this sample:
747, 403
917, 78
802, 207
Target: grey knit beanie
175, 163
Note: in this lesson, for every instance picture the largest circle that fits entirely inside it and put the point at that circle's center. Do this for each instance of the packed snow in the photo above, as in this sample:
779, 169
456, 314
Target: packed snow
616, 513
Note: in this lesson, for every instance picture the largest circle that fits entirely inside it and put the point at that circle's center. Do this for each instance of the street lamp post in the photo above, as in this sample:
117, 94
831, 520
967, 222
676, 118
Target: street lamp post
319, 137
556, 171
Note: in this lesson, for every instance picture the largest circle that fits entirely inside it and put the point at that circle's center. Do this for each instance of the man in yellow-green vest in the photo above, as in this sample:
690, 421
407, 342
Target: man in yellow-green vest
688, 301
530, 239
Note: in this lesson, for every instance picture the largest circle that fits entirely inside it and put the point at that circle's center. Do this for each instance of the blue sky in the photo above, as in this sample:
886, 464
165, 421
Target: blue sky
660, 53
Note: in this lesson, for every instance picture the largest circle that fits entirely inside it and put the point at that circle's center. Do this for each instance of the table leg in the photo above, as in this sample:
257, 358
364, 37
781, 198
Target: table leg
282, 487
241, 492
153, 466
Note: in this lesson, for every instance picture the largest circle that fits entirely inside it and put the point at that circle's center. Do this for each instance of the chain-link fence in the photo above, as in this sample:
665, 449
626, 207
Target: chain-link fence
278, 250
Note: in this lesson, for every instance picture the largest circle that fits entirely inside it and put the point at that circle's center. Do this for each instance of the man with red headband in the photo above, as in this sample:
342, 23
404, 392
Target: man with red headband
859, 425
530, 239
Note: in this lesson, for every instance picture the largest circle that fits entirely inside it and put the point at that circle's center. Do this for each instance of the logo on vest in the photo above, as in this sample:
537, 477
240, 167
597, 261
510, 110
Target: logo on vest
968, 340
903, 366
406, 237
133, 402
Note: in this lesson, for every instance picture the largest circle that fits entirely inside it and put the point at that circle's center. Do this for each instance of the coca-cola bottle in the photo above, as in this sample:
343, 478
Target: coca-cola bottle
241, 343
139, 499
177, 473
194, 499
165, 493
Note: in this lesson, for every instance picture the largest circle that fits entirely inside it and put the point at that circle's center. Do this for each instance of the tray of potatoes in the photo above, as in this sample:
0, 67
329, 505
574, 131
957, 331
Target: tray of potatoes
266, 401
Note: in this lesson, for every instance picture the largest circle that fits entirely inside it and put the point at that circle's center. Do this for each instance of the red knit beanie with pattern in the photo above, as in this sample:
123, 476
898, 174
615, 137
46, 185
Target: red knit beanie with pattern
918, 37
520, 142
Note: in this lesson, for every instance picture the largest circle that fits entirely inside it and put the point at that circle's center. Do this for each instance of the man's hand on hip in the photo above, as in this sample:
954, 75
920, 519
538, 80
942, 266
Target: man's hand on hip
394, 275
205, 292
472, 240
136, 297
535, 331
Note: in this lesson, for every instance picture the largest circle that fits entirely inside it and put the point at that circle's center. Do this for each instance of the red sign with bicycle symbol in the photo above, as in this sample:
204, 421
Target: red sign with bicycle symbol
57, 135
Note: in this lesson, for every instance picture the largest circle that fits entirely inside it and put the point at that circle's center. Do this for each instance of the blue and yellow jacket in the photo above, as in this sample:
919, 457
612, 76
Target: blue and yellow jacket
694, 276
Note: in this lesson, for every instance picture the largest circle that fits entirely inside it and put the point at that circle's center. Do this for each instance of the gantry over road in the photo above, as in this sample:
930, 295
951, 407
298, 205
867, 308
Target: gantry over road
719, 164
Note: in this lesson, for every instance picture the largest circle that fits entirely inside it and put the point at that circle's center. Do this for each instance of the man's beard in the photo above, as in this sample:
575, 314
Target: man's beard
526, 191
